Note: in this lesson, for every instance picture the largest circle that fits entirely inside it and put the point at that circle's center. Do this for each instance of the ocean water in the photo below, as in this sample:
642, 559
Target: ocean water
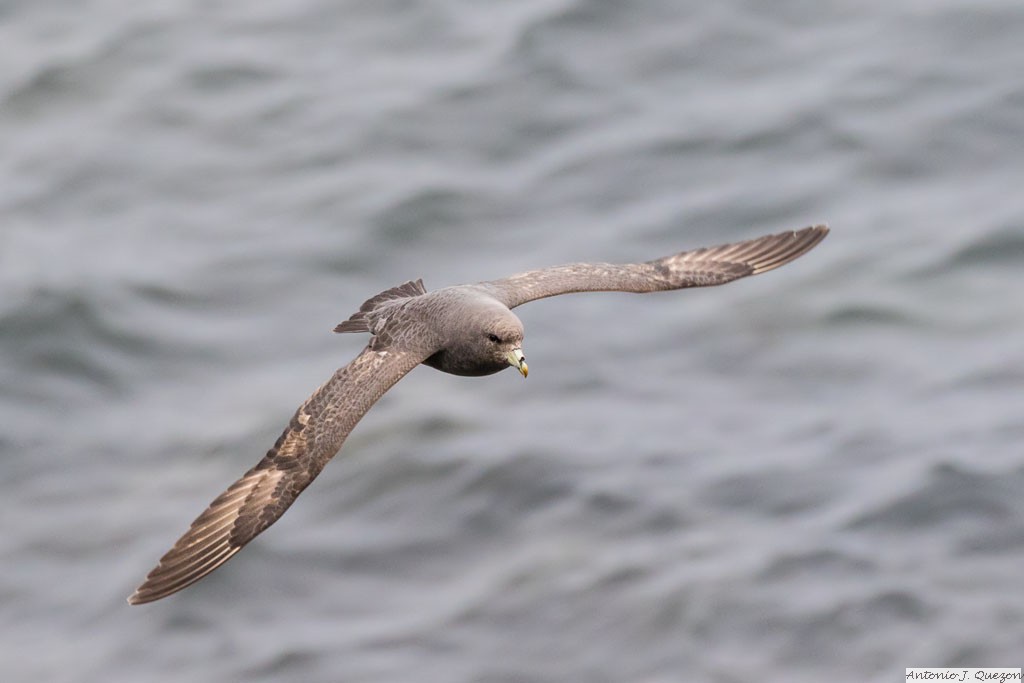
814, 474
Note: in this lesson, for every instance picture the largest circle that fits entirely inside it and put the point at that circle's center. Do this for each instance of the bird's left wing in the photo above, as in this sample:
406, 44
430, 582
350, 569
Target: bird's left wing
261, 496
696, 268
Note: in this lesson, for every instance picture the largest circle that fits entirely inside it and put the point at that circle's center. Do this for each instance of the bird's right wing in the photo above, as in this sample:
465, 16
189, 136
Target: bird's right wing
254, 502
696, 268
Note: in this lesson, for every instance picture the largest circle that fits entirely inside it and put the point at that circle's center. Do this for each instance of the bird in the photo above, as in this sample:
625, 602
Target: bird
467, 330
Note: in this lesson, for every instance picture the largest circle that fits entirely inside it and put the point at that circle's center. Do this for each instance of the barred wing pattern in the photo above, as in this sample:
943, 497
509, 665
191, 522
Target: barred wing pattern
257, 500
698, 268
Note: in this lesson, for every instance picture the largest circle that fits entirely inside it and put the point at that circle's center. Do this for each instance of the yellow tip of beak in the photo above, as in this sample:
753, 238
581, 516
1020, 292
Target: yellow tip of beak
518, 361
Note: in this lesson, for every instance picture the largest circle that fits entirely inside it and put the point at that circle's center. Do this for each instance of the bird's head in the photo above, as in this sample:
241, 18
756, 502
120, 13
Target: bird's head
502, 342
484, 337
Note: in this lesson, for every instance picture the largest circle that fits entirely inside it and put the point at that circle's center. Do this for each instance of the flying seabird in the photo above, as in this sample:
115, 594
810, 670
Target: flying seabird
463, 330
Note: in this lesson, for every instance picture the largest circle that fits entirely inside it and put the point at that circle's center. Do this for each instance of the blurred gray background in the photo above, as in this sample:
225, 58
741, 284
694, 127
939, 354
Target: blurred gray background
810, 475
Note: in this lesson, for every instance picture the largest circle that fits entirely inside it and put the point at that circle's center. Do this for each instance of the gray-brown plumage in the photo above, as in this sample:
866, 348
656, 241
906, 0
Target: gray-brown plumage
463, 330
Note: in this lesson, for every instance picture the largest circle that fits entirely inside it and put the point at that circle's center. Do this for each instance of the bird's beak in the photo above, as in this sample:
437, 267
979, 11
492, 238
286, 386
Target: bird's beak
518, 361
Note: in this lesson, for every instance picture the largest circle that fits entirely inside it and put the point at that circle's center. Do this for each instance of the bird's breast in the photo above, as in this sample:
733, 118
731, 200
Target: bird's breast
450, 363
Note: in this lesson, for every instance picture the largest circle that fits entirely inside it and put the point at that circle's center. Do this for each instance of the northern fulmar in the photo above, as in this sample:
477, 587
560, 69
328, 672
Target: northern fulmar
463, 330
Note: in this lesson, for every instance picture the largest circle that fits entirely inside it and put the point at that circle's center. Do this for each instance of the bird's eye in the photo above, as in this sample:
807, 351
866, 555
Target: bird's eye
494, 338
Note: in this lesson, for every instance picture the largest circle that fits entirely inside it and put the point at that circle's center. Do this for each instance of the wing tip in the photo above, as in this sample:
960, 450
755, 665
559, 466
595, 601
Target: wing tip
167, 580
790, 246
144, 593
150, 592
820, 230
812, 233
